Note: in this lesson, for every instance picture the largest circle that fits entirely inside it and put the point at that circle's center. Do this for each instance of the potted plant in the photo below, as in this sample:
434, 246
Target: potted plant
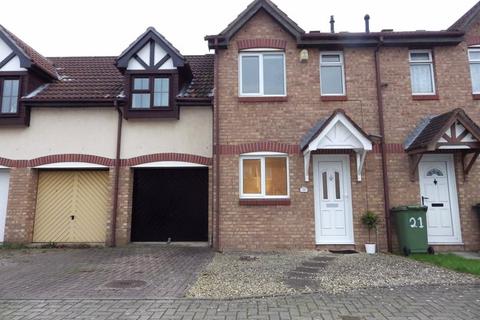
370, 220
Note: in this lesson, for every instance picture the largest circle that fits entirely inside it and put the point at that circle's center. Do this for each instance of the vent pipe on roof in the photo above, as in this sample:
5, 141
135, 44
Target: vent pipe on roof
332, 24
367, 23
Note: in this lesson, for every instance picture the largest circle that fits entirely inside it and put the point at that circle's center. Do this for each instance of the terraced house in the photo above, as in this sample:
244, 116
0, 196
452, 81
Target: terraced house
280, 139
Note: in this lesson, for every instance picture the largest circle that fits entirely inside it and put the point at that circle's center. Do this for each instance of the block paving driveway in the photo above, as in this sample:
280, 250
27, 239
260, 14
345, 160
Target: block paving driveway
148, 282
155, 271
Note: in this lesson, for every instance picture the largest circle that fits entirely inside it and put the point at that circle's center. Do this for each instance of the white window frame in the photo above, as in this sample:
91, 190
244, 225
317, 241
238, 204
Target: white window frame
261, 156
260, 53
473, 61
428, 62
326, 64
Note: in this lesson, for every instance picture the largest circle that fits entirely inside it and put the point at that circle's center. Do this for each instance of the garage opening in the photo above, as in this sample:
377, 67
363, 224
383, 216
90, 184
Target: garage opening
170, 204
72, 206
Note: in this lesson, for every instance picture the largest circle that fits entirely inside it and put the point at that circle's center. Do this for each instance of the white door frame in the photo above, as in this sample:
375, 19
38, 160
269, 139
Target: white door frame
452, 189
347, 187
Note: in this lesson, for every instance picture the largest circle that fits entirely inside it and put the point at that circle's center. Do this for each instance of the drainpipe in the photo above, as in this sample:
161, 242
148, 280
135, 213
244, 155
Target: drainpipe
216, 112
386, 189
117, 175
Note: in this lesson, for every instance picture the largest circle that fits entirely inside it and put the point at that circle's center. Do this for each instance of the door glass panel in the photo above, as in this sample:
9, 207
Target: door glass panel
434, 171
276, 176
337, 185
325, 187
251, 176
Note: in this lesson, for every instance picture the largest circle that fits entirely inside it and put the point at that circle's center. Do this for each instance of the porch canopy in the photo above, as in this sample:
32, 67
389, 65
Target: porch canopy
337, 132
453, 131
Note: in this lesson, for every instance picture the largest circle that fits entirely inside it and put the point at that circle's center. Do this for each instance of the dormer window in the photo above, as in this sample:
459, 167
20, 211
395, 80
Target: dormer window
9, 91
155, 71
150, 92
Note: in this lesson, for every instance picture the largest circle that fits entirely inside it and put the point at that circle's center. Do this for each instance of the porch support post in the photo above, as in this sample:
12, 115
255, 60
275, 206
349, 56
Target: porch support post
414, 160
306, 164
361, 154
467, 165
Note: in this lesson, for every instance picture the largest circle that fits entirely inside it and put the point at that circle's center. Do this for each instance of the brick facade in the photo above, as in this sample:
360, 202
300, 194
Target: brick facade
278, 126
22, 197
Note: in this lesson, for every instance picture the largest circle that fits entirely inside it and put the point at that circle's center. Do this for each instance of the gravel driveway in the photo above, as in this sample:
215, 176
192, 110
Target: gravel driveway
263, 274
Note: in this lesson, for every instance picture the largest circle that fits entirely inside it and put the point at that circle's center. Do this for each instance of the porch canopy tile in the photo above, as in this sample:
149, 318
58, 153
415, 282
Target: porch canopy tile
337, 132
452, 131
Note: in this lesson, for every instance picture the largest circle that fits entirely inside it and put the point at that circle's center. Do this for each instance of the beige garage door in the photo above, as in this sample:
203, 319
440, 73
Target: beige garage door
71, 206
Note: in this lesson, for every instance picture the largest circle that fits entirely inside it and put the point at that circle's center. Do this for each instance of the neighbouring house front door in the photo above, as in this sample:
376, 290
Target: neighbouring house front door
438, 192
333, 202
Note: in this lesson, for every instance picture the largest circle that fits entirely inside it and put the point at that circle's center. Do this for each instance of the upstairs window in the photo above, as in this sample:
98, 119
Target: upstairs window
263, 176
332, 80
150, 92
474, 60
9, 91
262, 74
421, 72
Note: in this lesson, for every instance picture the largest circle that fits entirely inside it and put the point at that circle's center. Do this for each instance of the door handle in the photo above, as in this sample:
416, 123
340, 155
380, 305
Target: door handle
72, 217
423, 200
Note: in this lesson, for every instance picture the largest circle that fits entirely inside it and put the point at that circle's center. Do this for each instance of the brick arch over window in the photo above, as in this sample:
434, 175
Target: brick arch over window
270, 146
261, 43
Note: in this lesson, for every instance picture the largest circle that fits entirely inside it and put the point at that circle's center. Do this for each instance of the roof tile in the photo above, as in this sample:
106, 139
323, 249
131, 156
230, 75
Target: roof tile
97, 79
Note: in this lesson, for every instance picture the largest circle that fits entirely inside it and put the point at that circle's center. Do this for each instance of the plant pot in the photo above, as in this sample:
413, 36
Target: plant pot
370, 248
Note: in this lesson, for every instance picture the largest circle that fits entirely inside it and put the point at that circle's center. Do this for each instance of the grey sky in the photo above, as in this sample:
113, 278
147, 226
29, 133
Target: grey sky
106, 27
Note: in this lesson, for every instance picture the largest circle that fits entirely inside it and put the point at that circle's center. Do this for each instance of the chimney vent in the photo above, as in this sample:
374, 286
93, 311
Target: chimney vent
367, 23
332, 24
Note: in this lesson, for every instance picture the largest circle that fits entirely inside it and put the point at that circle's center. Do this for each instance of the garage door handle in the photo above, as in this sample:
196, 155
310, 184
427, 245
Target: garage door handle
72, 217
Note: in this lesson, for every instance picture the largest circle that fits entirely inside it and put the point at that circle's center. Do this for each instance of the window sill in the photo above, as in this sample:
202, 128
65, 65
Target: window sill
264, 202
421, 97
333, 98
263, 99
476, 96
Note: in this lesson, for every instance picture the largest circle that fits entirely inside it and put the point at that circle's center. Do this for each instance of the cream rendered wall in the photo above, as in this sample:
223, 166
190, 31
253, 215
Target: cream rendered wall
191, 134
61, 130
93, 131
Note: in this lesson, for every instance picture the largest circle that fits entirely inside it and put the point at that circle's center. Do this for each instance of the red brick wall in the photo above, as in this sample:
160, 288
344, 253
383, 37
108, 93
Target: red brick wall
267, 227
22, 196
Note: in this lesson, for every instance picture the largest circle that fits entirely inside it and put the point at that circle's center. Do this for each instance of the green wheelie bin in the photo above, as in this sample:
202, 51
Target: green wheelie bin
411, 226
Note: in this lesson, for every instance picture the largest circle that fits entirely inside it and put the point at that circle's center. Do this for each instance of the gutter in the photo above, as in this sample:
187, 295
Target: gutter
117, 176
381, 123
216, 144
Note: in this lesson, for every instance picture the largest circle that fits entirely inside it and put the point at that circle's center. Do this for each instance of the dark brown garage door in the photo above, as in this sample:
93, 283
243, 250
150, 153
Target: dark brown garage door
170, 204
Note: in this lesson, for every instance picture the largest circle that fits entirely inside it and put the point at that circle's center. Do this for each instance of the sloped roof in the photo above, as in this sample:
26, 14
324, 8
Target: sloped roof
92, 79
27, 54
322, 124
281, 17
465, 20
430, 129
149, 34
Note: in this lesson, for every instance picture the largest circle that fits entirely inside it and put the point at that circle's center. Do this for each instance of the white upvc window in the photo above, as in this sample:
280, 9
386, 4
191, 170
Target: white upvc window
474, 61
264, 175
332, 73
262, 73
421, 72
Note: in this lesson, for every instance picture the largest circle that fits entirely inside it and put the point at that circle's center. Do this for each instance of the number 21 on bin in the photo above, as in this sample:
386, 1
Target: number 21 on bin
413, 222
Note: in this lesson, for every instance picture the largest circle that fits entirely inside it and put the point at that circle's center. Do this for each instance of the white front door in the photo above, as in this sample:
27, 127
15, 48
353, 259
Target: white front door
439, 193
333, 201
4, 183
